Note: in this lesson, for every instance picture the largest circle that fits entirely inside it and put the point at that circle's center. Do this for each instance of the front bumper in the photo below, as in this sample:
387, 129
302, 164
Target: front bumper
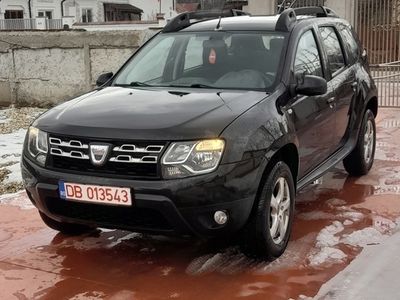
183, 206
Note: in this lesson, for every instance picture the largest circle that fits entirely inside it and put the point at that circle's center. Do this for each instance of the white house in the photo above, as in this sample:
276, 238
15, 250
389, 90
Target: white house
87, 11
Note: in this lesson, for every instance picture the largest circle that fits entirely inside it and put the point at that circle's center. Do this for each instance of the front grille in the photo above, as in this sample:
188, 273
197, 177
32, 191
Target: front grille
126, 158
112, 216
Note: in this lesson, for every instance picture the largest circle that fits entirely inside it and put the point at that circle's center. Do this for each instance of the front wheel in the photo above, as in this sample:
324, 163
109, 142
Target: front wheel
361, 159
268, 231
65, 228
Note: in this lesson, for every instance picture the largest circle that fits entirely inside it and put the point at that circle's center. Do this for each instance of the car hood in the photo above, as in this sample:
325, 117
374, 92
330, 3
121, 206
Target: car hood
152, 114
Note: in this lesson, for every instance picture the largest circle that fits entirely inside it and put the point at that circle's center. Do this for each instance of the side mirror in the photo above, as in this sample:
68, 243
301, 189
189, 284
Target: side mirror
310, 85
104, 78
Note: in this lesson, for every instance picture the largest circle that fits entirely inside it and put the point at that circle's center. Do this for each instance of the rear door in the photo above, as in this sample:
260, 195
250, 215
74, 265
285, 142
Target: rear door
314, 116
342, 79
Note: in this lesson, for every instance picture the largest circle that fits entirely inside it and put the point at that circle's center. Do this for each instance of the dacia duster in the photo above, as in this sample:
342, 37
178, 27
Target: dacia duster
209, 129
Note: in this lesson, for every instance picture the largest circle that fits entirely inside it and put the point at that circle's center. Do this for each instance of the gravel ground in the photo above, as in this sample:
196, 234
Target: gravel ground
12, 119
13, 125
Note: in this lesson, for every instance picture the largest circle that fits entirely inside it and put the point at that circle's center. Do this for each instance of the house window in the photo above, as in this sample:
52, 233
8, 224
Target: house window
87, 15
45, 14
14, 14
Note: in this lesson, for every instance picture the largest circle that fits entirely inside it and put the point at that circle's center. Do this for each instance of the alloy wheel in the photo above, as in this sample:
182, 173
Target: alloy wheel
280, 210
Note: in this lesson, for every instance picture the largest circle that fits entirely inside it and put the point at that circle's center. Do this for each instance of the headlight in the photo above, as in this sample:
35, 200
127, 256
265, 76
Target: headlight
37, 145
185, 159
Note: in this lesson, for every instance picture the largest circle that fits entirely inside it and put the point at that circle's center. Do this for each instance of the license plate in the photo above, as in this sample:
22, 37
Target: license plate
95, 194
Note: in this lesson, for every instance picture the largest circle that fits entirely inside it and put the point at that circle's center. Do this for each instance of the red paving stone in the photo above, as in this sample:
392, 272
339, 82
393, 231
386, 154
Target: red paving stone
38, 263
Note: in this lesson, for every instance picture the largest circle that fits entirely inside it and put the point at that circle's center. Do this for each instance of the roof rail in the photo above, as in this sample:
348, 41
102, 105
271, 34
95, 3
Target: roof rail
318, 11
184, 20
286, 20
288, 17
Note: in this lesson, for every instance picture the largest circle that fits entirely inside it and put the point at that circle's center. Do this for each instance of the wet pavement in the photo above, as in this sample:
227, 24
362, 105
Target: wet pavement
334, 221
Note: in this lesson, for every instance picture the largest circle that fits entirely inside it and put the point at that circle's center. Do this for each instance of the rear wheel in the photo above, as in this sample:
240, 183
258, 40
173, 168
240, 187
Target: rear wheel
361, 159
268, 232
65, 228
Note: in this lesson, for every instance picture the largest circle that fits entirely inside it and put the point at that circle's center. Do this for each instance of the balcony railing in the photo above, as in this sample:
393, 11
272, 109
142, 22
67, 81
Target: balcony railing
17, 24
29, 24
54, 24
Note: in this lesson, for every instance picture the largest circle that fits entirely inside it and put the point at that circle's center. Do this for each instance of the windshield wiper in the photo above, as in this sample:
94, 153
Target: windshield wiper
202, 86
133, 83
138, 83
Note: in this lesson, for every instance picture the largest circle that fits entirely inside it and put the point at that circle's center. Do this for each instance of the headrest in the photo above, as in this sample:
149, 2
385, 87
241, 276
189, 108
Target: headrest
214, 52
247, 41
276, 44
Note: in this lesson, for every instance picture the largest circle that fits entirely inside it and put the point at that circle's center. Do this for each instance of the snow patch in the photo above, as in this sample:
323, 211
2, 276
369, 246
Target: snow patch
382, 224
354, 216
364, 237
12, 143
336, 202
327, 237
15, 175
326, 240
19, 199
327, 255
348, 223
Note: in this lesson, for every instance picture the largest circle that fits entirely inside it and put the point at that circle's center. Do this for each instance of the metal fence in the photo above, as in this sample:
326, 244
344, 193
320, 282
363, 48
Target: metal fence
18, 24
54, 24
302, 3
378, 25
29, 24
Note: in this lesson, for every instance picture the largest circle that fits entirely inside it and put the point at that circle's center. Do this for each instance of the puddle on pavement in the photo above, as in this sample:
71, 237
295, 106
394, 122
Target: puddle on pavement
333, 222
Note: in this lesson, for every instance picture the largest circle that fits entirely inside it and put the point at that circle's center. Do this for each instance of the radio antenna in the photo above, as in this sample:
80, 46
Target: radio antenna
218, 27
282, 5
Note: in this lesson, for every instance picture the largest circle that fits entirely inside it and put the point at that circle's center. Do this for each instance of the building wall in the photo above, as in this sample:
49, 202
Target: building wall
150, 8
261, 7
46, 5
45, 68
345, 8
74, 7
14, 5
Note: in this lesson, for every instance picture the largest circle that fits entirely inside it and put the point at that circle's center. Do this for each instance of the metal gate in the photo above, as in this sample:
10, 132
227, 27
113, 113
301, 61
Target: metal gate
378, 25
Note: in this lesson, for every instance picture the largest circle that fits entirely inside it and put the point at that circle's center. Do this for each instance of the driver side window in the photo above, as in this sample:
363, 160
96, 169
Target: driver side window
308, 60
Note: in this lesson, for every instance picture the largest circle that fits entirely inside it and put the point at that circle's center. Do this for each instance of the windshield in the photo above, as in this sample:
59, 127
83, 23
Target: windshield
221, 60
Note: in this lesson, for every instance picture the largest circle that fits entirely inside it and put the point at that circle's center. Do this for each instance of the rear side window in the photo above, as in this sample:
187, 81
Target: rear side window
307, 59
350, 41
333, 49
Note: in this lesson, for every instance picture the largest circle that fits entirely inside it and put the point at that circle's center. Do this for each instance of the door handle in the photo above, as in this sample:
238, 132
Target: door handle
354, 86
331, 102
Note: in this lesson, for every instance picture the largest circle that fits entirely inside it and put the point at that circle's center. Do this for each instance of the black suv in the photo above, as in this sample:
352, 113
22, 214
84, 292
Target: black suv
209, 129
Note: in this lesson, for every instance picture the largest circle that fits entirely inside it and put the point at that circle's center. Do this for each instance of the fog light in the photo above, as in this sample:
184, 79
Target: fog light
220, 217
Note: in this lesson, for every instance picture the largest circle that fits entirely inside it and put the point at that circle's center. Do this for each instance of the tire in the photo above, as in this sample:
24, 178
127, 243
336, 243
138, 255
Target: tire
263, 237
65, 228
359, 162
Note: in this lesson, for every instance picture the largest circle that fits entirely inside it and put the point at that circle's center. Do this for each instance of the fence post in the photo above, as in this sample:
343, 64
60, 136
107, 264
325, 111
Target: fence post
87, 66
13, 82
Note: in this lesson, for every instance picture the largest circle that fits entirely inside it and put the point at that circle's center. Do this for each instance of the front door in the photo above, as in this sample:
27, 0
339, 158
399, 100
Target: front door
342, 79
314, 117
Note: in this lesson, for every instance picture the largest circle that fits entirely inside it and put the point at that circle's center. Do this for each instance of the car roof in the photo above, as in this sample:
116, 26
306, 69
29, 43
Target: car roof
284, 22
267, 23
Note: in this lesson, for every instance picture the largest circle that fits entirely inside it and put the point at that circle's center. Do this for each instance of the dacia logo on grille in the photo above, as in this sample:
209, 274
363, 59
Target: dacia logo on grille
98, 154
